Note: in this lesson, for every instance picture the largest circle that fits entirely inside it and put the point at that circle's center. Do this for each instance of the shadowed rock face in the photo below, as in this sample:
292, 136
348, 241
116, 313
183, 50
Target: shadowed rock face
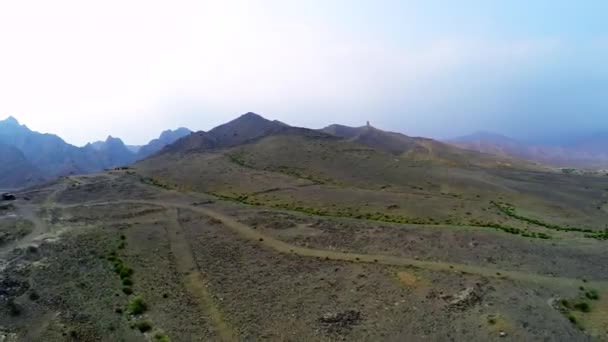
245, 128
15, 169
167, 137
28, 157
47, 152
112, 152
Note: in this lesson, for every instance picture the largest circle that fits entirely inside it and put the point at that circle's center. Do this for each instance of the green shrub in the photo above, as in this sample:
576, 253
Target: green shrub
127, 290
509, 210
137, 306
127, 282
592, 294
125, 272
160, 337
582, 306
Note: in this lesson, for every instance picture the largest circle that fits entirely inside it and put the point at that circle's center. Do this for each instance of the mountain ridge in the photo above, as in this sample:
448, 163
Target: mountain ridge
240, 130
586, 152
44, 156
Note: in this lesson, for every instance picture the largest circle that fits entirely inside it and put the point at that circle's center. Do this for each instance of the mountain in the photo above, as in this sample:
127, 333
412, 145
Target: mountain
587, 152
114, 152
16, 169
322, 236
497, 144
111, 153
394, 143
29, 157
339, 168
595, 144
252, 154
167, 137
47, 152
134, 148
245, 128
422, 149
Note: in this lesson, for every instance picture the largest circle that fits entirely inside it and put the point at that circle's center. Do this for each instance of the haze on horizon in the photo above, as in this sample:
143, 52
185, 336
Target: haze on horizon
84, 70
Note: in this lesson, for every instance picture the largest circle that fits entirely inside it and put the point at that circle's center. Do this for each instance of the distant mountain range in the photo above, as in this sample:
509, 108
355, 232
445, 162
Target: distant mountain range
417, 148
28, 157
588, 152
250, 127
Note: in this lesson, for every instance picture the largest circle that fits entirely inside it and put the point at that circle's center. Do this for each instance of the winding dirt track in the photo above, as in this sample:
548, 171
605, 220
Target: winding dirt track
283, 247
195, 282
192, 276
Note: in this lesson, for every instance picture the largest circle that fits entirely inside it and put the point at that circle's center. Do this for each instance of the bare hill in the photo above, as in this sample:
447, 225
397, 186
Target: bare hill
245, 128
424, 149
297, 167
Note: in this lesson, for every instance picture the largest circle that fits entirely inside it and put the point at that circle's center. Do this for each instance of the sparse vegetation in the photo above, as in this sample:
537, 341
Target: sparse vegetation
155, 182
237, 159
136, 306
598, 235
161, 337
381, 217
125, 272
511, 230
509, 210
578, 305
157, 256
582, 306
592, 294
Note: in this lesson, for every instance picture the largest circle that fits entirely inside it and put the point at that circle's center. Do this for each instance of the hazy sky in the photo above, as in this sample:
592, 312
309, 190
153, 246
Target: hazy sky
86, 69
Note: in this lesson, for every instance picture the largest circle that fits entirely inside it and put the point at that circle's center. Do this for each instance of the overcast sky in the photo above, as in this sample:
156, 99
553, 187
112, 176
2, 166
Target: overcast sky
87, 69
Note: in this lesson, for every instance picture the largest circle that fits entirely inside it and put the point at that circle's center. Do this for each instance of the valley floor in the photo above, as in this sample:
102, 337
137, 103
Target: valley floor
110, 258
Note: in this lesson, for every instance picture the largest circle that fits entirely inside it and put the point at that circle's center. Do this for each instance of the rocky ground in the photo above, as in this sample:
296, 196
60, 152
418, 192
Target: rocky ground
112, 257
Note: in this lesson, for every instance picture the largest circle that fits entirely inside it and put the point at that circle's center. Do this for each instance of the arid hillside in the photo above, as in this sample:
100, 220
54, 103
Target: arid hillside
270, 232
